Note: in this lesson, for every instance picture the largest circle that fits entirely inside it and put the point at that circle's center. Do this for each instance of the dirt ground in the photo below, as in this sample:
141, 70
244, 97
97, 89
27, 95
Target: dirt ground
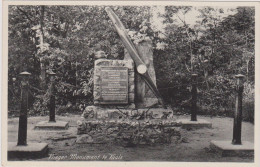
193, 148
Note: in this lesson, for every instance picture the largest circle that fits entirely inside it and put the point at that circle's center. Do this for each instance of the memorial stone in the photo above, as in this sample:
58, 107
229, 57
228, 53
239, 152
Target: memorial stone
114, 82
114, 85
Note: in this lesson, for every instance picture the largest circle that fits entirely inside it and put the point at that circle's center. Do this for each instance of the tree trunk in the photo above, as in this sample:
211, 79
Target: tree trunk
247, 69
43, 75
43, 66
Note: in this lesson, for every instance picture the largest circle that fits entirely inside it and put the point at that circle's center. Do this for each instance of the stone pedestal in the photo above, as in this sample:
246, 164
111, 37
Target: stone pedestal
46, 125
127, 127
31, 150
129, 132
200, 123
226, 148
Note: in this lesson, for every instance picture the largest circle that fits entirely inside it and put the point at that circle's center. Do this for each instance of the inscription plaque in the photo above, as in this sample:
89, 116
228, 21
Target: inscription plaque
114, 85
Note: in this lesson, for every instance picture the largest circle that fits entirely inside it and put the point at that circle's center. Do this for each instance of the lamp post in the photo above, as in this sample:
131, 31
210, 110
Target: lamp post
238, 110
194, 97
22, 149
236, 147
52, 124
52, 97
22, 130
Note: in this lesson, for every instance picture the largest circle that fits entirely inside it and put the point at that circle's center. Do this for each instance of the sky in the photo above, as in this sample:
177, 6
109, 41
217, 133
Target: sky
190, 18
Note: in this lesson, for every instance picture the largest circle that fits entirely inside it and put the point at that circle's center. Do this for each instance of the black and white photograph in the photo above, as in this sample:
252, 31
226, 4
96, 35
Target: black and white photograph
148, 82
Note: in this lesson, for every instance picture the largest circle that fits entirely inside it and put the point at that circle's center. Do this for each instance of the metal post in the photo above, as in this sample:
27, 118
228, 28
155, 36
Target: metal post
22, 130
238, 111
194, 97
52, 97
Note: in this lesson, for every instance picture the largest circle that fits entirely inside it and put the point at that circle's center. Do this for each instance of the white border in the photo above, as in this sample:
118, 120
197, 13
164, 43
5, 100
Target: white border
115, 164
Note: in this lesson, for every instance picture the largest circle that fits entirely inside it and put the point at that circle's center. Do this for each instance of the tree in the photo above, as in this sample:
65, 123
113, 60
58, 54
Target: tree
65, 38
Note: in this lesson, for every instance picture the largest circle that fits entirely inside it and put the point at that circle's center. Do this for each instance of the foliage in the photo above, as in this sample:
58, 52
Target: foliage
65, 38
217, 48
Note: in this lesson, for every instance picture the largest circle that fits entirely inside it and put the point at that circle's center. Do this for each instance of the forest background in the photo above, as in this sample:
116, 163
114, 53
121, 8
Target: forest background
215, 42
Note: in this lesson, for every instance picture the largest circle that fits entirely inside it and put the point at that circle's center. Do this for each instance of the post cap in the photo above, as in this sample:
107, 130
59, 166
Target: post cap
108, 9
239, 76
51, 73
25, 73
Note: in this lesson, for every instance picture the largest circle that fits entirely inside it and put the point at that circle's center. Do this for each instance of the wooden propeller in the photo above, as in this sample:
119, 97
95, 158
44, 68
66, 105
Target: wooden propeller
140, 65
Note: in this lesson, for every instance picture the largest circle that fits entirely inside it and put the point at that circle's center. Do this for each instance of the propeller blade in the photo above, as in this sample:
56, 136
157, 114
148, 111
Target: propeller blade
140, 65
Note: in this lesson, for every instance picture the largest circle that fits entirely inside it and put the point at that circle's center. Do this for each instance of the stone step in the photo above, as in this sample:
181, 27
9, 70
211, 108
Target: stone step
96, 112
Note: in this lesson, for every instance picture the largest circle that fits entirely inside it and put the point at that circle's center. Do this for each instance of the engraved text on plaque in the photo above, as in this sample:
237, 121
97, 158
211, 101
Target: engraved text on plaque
114, 85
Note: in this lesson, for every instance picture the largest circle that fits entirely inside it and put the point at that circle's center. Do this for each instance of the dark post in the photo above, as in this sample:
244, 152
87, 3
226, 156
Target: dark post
22, 130
194, 97
238, 111
52, 97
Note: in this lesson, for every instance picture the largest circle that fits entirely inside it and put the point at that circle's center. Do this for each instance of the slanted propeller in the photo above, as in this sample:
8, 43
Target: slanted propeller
140, 65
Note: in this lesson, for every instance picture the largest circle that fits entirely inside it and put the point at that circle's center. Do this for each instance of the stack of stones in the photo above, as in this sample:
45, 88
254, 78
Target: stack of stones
127, 127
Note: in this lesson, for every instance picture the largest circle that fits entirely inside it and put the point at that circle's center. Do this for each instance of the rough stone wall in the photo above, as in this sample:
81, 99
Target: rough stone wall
128, 132
114, 63
127, 126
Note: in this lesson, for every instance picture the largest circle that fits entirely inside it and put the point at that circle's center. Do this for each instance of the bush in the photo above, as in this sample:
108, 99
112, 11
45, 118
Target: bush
248, 102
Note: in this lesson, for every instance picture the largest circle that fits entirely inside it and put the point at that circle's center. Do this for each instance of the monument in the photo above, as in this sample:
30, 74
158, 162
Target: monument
128, 109
115, 117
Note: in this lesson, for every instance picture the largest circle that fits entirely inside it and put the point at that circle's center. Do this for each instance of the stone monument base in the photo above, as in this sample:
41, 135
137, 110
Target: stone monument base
31, 150
127, 127
46, 125
128, 132
226, 148
200, 123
